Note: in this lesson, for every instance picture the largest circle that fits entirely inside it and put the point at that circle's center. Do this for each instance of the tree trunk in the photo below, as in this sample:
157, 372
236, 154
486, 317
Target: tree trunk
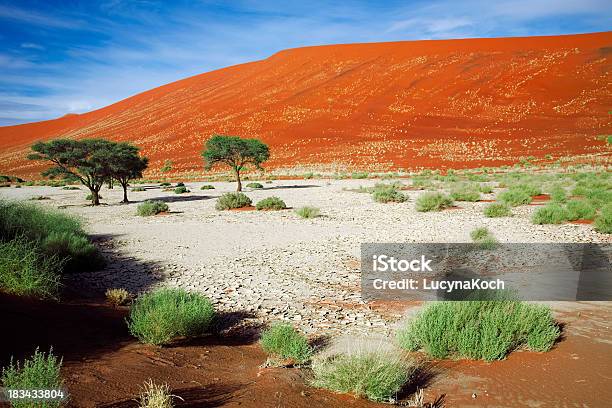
125, 199
110, 183
239, 188
95, 197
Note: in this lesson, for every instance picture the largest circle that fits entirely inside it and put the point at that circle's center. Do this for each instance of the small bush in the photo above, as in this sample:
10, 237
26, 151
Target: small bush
117, 296
529, 189
433, 202
40, 198
271, 203
374, 375
163, 315
180, 184
138, 189
284, 342
89, 197
557, 194
181, 190
484, 238
550, 214
514, 198
485, 188
25, 271
155, 396
232, 200
603, 222
151, 207
465, 193
41, 371
387, 193
308, 212
165, 184
580, 210
484, 330
495, 210
358, 175
254, 185
207, 187
70, 188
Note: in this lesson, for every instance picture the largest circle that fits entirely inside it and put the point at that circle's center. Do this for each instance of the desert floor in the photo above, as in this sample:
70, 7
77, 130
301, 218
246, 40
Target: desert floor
262, 266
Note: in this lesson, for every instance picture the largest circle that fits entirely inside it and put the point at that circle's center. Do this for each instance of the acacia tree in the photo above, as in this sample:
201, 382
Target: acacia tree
235, 152
86, 160
126, 165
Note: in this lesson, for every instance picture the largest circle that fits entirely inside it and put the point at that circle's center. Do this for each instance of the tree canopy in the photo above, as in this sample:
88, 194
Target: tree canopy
126, 165
235, 152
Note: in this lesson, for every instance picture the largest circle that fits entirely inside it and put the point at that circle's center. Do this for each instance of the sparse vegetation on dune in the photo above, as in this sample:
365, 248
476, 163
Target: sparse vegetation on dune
283, 341
552, 213
433, 202
580, 210
603, 222
481, 330
161, 316
229, 201
378, 376
496, 210
465, 192
387, 193
514, 198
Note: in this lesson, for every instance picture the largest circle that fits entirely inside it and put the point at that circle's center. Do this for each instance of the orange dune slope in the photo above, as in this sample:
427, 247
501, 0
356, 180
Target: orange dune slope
450, 103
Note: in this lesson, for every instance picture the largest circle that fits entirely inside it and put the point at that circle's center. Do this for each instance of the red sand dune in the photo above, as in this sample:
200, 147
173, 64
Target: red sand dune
452, 103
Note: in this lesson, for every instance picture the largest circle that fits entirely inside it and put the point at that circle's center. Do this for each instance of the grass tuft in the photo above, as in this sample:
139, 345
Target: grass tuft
552, 213
181, 190
117, 296
465, 192
387, 193
580, 210
155, 396
481, 330
255, 185
514, 198
229, 201
207, 187
496, 210
151, 207
285, 342
603, 222
308, 212
433, 202
271, 203
163, 315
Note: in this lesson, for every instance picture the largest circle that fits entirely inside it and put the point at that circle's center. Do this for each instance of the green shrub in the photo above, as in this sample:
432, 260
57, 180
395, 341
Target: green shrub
89, 197
161, 316
255, 185
374, 375
271, 203
495, 210
557, 194
55, 233
70, 188
285, 342
485, 188
25, 271
138, 189
483, 238
180, 184
552, 213
41, 371
433, 202
151, 207
580, 210
360, 175
386, 193
165, 184
232, 200
529, 189
207, 187
486, 330
603, 222
181, 190
514, 198
308, 212
465, 193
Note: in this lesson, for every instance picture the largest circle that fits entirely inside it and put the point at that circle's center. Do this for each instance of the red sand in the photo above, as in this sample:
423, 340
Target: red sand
450, 103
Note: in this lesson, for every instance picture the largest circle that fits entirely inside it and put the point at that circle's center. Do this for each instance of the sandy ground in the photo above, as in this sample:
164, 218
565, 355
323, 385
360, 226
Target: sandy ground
275, 265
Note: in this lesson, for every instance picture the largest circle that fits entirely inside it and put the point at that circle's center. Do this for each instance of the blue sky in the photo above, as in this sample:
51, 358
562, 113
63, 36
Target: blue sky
59, 57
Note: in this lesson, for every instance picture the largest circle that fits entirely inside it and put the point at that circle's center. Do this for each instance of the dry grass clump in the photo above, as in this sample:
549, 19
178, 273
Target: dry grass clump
117, 296
155, 396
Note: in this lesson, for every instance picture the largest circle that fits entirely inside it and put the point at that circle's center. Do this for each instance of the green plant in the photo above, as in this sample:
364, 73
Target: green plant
580, 210
163, 315
308, 212
433, 202
485, 188
479, 329
165, 184
285, 342
70, 188
180, 184
254, 185
232, 200
181, 190
557, 194
385, 193
117, 296
360, 175
138, 189
151, 207
483, 238
25, 271
89, 197
603, 222
514, 198
155, 396
40, 198
465, 192
375, 375
41, 371
552, 213
494, 210
271, 203
207, 187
